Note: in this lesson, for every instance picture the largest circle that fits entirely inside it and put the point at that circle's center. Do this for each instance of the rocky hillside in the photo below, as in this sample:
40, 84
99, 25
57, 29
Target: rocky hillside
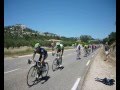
20, 35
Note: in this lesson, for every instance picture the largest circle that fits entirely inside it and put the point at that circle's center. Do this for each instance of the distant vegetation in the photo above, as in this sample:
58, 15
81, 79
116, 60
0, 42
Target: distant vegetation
110, 39
17, 35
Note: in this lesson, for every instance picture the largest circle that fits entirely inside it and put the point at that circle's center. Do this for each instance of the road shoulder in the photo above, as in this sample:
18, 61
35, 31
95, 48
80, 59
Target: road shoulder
101, 69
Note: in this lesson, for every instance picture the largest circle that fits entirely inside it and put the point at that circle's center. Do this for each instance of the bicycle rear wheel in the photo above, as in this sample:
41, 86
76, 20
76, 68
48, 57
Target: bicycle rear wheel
31, 76
54, 65
45, 70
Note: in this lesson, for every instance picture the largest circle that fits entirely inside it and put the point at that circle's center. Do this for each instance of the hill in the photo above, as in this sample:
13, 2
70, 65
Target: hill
21, 35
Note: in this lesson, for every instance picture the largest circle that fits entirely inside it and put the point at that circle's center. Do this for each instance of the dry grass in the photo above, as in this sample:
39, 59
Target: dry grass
17, 51
12, 50
22, 51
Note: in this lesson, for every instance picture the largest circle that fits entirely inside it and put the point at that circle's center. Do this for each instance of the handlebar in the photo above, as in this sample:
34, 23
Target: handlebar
29, 61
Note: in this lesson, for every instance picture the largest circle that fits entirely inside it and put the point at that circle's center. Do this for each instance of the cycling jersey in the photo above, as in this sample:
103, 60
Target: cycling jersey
41, 51
59, 47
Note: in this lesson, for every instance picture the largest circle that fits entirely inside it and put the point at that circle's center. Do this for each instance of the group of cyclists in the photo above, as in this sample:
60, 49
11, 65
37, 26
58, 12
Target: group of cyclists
59, 48
86, 48
56, 48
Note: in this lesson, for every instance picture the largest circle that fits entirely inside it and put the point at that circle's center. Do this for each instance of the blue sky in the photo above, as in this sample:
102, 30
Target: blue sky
70, 18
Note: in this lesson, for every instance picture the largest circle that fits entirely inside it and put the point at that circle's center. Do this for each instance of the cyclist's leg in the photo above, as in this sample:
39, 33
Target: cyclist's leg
78, 54
57, 51
40, 58
59, 54
45, 56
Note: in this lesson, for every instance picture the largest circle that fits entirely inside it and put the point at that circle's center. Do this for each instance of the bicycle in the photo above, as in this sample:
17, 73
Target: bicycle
56, 62
36, 69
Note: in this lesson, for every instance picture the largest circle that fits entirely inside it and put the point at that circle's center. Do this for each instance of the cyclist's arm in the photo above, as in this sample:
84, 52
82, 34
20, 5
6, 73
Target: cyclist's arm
33, 55
42, 58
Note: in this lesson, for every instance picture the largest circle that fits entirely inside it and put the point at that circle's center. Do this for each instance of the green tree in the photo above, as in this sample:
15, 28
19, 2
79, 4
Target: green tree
85, 38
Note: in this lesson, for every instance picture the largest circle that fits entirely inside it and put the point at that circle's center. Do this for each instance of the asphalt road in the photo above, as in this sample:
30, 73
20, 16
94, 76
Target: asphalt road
16, 69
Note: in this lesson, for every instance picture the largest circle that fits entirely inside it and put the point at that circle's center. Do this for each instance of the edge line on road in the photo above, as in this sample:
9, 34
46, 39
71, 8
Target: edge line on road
11, 71
88, 63
76, 84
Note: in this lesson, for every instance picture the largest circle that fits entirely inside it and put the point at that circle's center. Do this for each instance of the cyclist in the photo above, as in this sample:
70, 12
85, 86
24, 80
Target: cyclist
78, 50
86, 49
43, 53
89, 48
59, 48
92, 48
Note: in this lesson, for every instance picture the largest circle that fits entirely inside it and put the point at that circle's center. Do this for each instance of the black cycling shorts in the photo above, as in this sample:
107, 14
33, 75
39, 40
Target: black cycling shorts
45, 56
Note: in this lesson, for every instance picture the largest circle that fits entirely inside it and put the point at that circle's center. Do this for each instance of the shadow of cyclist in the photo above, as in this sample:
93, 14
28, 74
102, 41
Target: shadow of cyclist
44, 79
61, 67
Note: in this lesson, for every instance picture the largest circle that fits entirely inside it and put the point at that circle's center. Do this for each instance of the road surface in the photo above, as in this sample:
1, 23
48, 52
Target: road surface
69, 78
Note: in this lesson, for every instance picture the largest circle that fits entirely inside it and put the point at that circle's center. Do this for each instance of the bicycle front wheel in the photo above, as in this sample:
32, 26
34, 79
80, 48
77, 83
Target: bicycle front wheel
54, 65
31, 76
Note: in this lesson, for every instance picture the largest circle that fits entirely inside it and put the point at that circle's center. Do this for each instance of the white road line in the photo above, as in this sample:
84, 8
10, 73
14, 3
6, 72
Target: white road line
76, 84
11, 71
88, 63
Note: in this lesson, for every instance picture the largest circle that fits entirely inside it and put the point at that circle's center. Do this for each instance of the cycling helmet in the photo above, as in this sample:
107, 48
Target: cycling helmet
37, 45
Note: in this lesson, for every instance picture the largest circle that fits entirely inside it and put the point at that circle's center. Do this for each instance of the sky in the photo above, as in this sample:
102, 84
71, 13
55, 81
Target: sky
69, 18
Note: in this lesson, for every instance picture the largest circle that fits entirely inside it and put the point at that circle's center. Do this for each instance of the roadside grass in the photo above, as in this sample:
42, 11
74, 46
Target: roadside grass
12, 52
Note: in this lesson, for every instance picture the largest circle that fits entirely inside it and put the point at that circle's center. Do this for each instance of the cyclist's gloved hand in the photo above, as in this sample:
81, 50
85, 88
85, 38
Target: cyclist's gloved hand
29, 61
